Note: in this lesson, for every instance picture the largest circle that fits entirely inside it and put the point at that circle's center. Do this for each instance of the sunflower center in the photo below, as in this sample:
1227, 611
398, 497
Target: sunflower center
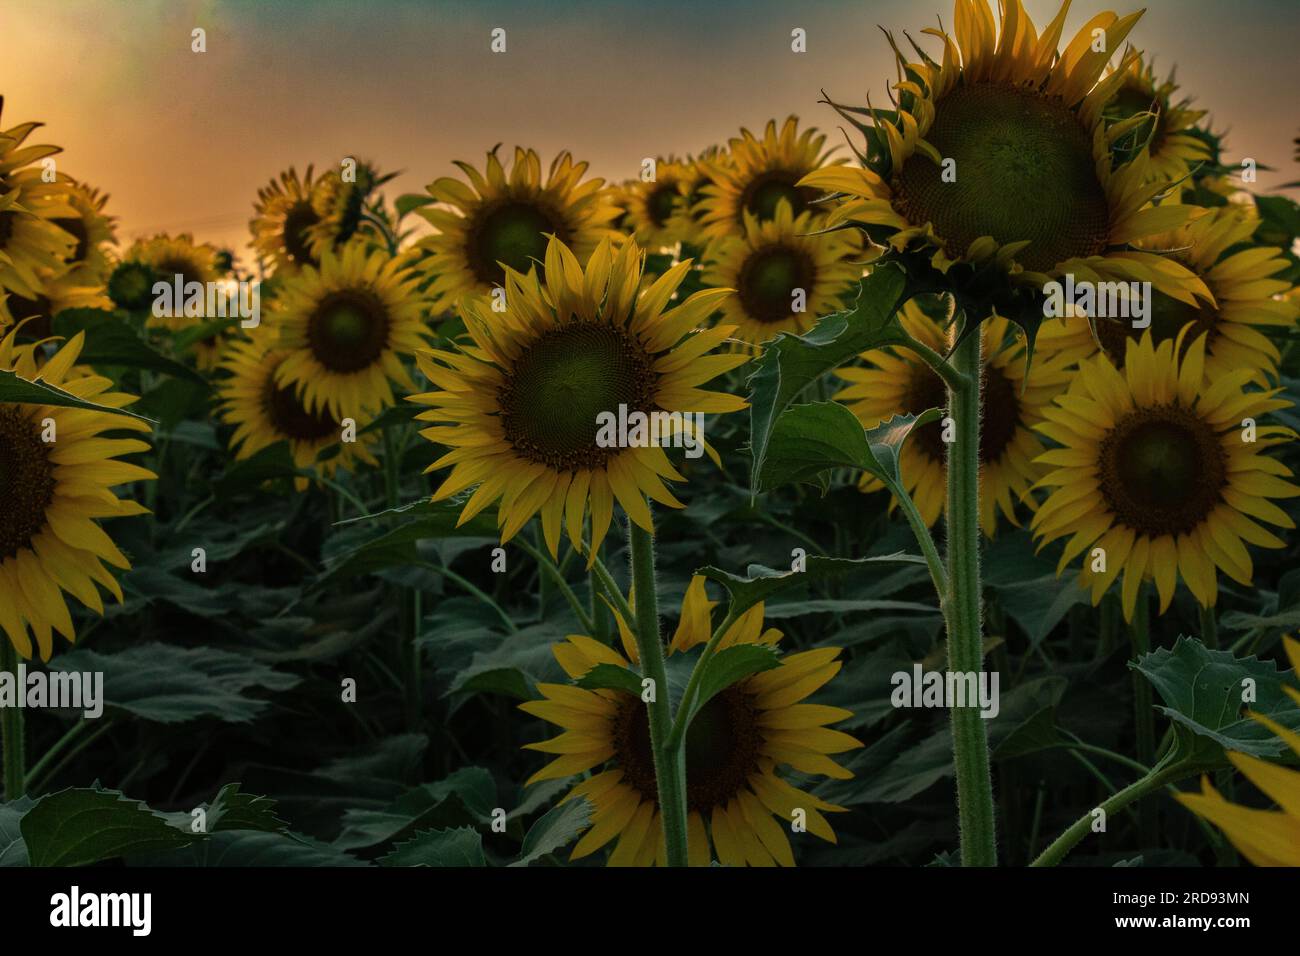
26, 481
7, 220
1162, 470
723, 745
131, 285
300, 218
348, 331
77, 229
1001, 413
37, 309
291, 419
514, 233
1024, 170
661, 202
561, 383
768, 279
170, 268
765, 191
1168, 318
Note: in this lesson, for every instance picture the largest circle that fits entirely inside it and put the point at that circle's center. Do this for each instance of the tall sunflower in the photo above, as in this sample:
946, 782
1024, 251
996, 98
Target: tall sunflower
1239, 275
284, 215
345, 202
758, 173
519, 408
1000, 155
1154, 119
897, 382
54, 491
347, 325
171, 256
1265, 837
1155, 468
265, 412
734, 748
505, 220
30, 240
774, 266
654, 208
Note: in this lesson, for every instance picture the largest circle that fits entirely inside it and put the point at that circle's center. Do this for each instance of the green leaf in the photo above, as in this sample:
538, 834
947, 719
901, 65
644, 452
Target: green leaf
791, 362
611, 677
20, 391
232, 810
409, 202
170, 684
763, 582
1202, 690
110, 341
465, 797
250, 848
1038, 732
886, 441
272, 462
461, 847
727, 667
808, 441
13, 851
80, 827
558, 827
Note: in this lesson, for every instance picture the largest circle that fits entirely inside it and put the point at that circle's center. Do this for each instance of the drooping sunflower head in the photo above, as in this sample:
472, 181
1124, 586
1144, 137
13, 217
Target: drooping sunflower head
785, 279
655, 206
1000, 154
1265, 837
1156, 121
286, 210
739, 805
347, 325
1247, 296
264, 412
54, 294
1161, 474
170, 257
501, 220
895, 382
57, 472
344, 197
524, 409
757, 174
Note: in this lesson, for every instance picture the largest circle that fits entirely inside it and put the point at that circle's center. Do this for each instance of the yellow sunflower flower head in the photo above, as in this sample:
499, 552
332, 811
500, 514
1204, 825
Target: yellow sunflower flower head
264, 412
504, 220
1265, 837
738, 804
93, 230
1000, 155
655, 206
1241, 276
688, 217
286, 210
520, 408
172, 256
346, 326
784, 277
1157, 121
57, 472
1161, 474
55, 292
897, 382
756, 174
342, 195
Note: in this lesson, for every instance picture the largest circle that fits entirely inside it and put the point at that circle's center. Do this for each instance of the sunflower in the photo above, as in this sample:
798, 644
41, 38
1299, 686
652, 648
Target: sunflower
654, 208
346, 325
54, 295
1239, 275
30, 240
519, 408
758, 173
773, 262
169, 257
265, 412
1157, 470
897, 382
1000, 155
1265, 837
686, 221
343, 205
286, 211
498, 221
53, 491
733, 748
1162, 125
92, 230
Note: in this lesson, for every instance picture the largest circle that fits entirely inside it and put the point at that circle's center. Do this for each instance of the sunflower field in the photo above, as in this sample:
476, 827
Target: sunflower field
925, 501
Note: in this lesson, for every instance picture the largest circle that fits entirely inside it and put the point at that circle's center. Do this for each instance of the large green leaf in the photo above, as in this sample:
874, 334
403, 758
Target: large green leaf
460, 847
558, 827
250, 848
761, 582
20, 391
1202, 690
467, 796
13, 851
727, 667
792, 362
80, 827
110, 341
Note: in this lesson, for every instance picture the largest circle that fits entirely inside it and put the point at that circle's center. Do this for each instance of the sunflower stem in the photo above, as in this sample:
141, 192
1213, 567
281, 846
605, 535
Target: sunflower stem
1143, 707
678, 734
11, 730
962, 608
670, 763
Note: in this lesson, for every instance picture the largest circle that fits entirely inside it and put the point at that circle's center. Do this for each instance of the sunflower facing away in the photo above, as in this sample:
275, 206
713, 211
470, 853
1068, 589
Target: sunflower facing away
265, 412
773, 259
1034, 188
286, 210
738, 807
896, 382
519, 408
1156, 469
1163, 128
1265, 837
501, 219
758, 173
51, 492
346, 325
169, 257
1243, 287
30, 240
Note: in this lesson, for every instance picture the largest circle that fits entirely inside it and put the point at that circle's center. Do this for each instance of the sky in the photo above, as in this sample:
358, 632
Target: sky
182, 140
